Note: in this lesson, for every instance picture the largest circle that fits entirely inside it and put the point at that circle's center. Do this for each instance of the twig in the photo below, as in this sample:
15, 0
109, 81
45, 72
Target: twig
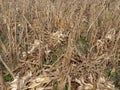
7, 67
1, 79
96, 17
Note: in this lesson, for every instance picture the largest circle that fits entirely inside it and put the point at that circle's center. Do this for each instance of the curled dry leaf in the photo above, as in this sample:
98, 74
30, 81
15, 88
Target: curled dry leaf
102, 80
100, 43
83, 85
14, 83
19, 83
110, 34
102, 84
38, 82
24, 54
23, 80
35, 45
57, 36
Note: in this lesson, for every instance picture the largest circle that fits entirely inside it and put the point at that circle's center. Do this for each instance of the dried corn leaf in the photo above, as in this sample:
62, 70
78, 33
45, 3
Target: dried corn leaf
39, 82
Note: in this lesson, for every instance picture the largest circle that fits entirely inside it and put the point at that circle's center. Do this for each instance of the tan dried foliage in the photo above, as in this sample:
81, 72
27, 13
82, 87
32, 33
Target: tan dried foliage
60, 44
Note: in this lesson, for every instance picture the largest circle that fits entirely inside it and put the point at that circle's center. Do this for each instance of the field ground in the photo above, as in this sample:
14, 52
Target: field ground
59, 44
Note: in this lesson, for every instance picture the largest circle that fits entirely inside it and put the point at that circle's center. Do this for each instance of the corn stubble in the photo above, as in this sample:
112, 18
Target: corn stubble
60, 44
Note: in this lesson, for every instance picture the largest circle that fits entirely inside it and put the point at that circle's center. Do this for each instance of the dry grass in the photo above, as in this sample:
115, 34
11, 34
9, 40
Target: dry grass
60, 44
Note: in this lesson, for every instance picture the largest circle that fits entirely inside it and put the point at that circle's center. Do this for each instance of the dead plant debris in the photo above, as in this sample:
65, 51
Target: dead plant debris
59, 44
